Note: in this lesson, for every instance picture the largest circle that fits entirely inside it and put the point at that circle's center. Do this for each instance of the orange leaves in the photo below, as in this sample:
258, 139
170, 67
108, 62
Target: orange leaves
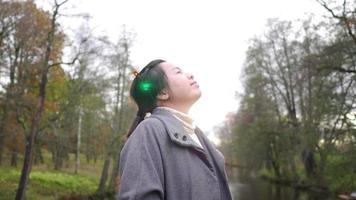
14, 134
24, 32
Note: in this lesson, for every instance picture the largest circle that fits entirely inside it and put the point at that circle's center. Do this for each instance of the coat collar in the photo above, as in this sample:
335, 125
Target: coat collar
178, 135
174, 128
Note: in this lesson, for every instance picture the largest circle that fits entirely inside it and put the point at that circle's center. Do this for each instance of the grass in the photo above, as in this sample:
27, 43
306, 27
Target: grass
45, 184
48, 184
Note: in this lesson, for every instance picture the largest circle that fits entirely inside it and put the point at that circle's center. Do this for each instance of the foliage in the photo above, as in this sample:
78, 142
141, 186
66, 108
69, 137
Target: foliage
86, 108
295, 120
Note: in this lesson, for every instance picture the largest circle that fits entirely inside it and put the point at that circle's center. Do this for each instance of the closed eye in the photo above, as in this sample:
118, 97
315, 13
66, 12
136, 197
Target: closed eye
178, 70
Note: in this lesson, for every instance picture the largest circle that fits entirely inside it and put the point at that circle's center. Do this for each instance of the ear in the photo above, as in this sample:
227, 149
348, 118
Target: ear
163, 95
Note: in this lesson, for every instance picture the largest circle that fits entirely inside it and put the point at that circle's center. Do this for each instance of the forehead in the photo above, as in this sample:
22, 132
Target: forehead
168, 67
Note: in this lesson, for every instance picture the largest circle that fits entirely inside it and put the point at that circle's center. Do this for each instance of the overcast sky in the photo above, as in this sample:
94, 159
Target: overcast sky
205, 37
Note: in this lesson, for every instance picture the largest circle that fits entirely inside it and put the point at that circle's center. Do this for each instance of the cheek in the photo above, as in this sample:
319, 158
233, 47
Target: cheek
176, 83
177, 88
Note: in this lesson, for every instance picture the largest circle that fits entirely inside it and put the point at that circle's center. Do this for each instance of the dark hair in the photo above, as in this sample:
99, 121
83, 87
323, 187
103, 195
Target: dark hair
145, 88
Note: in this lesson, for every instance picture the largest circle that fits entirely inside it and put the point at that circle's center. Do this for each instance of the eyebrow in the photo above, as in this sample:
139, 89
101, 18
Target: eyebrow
176, 68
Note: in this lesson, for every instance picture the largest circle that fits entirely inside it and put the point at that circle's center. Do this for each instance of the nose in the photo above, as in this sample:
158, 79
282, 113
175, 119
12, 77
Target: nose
190, 76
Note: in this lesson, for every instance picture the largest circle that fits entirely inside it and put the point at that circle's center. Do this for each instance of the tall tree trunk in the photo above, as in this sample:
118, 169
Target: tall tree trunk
273, 160
309, 162
14, 158
27, 164
115, 170
38, 155
104, 175
77, 155
2, 134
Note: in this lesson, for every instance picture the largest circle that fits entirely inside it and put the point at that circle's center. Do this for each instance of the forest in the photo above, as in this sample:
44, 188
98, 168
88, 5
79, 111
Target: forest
61, 115
65, 105
296, 122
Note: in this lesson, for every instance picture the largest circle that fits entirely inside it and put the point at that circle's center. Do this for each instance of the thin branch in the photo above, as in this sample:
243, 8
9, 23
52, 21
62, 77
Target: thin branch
339, 69
323, 3
342, 18
64, 63
60, 4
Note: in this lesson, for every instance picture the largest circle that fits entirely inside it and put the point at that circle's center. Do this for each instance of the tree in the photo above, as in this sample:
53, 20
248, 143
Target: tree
35, 121
119, 61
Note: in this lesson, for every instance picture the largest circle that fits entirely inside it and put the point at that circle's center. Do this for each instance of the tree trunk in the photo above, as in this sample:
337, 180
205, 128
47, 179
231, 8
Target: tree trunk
309, 162
77, 155
14, 158
104, 175
273, 160
115, 171
27, 164
2, 129
58, 162
2, 143
38, 155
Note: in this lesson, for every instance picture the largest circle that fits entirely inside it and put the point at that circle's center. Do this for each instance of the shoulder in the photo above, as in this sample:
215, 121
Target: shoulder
148, 129
151, 121
150, 124
147, 136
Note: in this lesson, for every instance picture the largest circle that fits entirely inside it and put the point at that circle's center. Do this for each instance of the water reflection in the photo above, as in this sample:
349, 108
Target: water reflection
258, 189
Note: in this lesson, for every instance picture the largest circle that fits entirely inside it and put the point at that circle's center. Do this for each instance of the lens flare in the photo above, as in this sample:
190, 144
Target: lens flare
145, 86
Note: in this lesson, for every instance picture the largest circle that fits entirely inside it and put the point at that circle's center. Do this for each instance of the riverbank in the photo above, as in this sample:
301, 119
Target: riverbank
261, 189
303, 185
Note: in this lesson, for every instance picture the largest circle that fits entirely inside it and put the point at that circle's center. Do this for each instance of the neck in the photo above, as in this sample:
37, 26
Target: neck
180, 108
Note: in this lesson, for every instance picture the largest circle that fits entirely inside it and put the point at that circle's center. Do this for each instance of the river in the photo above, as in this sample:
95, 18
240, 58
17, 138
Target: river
259, 189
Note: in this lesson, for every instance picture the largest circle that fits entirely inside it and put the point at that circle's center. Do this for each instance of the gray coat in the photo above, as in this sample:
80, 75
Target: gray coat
159, 161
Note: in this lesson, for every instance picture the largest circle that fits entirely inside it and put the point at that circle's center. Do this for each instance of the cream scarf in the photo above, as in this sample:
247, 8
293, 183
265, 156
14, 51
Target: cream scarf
187, 121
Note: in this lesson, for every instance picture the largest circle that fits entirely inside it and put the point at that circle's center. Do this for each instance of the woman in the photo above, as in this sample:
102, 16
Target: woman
165, 155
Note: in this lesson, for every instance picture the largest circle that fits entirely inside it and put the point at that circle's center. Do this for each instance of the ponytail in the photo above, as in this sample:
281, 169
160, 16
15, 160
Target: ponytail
140, 116
134, 124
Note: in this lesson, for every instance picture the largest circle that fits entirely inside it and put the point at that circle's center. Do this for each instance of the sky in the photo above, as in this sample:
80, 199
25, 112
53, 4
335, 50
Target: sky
205, 37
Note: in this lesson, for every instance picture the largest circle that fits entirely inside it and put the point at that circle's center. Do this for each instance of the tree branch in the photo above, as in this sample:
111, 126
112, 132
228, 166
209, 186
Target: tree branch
342, 18
64, 63
343, 70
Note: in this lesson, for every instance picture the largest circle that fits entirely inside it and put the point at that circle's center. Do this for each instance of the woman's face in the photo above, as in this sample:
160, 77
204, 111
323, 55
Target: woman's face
183, 90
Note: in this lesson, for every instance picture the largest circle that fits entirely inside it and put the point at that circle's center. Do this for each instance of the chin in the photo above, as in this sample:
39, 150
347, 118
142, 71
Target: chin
199, 93
197, 96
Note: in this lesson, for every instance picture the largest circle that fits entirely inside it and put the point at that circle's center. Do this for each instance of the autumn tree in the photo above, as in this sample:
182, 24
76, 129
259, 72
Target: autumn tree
47, 58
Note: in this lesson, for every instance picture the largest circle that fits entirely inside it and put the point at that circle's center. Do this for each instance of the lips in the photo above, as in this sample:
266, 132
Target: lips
194, 83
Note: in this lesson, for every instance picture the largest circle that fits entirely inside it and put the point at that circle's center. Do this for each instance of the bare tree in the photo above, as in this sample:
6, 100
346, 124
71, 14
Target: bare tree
119, 60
